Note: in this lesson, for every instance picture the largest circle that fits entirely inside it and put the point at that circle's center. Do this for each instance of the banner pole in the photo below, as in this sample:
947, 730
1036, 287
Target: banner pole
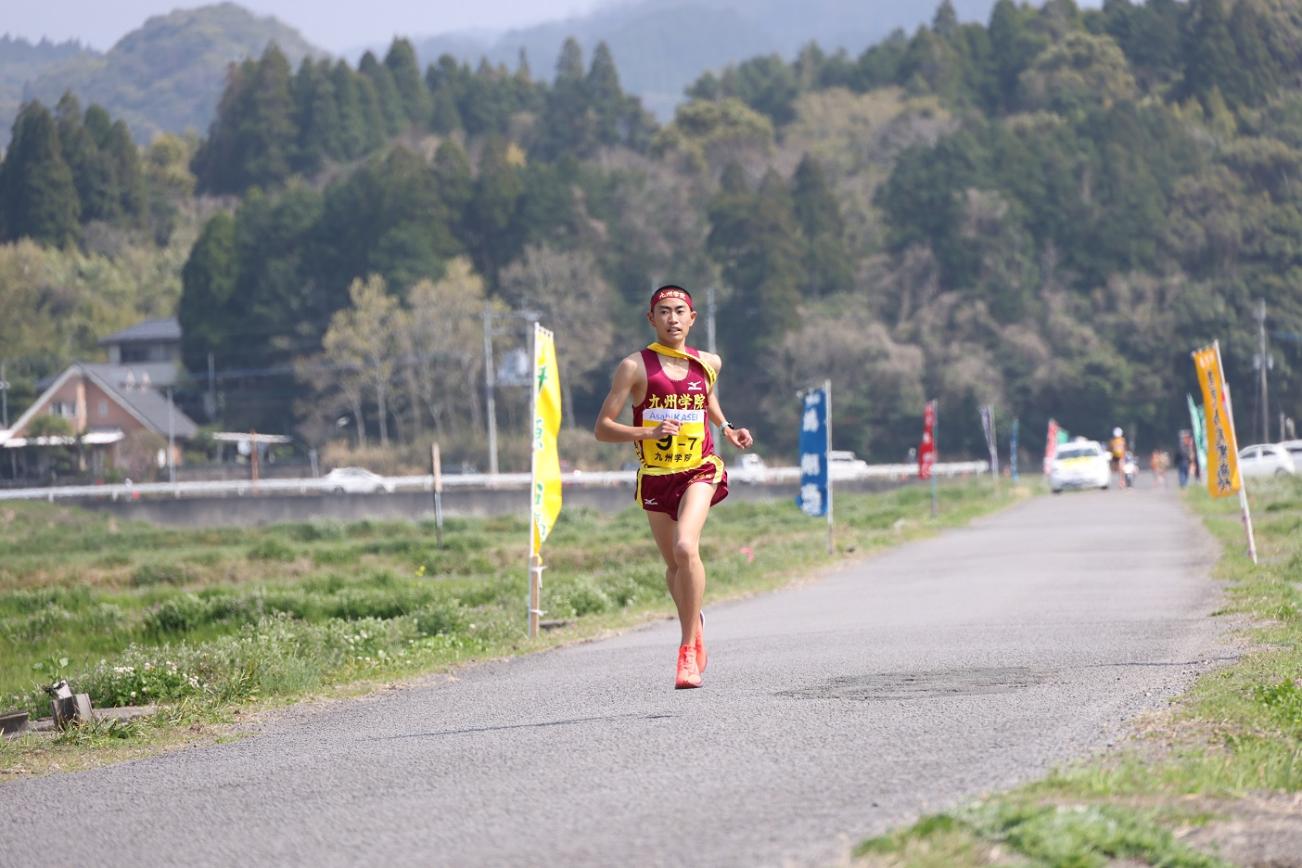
827, 393
935, 453
1243, 487
535, 559
436, 467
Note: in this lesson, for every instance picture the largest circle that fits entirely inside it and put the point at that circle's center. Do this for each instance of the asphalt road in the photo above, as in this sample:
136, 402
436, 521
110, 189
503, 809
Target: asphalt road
904, 684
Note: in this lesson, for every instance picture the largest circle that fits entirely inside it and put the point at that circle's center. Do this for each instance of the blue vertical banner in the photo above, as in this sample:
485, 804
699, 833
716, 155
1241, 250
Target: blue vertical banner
814, 442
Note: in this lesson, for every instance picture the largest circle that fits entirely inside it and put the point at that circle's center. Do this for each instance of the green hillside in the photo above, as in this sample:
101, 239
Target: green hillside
663, 45
168, 74
20, 61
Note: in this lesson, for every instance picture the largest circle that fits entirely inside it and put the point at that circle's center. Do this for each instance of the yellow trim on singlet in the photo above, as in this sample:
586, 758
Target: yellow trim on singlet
670, 471
710, 373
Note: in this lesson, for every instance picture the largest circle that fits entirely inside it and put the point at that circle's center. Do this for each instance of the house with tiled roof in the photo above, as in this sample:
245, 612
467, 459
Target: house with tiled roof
109, 407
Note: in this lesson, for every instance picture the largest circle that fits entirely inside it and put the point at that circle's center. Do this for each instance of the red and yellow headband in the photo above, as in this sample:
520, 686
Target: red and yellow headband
671, 291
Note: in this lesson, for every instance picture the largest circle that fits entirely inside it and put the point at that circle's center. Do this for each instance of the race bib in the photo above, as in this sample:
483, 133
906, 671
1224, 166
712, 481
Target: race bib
681, 451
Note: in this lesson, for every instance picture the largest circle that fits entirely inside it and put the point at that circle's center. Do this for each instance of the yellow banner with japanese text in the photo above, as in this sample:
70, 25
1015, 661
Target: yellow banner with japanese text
1222, 447
545, 502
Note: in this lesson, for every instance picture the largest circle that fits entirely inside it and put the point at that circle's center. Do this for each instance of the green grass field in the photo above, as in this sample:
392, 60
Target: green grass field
207, 621
1230, 746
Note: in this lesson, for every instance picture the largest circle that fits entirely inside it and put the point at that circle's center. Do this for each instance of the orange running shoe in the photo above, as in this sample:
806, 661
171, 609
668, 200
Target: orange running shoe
702, 656
688, 675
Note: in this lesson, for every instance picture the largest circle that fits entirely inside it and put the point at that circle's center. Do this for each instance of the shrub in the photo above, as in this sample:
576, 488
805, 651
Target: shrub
272, 549
179, 614
439, 619
161, 574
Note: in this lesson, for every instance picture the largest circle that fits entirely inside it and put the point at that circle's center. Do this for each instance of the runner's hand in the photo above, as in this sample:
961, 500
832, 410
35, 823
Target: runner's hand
667, 428
739, 437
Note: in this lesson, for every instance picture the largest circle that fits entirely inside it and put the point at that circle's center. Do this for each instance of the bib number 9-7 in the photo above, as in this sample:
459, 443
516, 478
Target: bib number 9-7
675, 451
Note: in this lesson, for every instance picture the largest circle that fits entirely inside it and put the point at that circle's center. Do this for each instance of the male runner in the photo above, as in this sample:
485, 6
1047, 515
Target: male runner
671, 388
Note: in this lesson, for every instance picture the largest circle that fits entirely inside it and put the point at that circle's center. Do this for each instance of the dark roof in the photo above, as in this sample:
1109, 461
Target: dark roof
160, 374
151, 406
151, 330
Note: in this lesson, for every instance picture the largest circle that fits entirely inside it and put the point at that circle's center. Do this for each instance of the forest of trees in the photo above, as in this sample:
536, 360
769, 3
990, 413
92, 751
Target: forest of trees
1044, 212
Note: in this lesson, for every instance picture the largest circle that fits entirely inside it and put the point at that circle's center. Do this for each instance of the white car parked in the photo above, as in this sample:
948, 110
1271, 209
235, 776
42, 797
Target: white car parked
1079, 464
1294, 448
842, 464
750, 467
355, 480
1266, 459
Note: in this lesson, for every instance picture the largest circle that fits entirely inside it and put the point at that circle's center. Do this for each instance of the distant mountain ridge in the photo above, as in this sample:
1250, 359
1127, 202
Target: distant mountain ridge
166, 75
20, 61
661, 46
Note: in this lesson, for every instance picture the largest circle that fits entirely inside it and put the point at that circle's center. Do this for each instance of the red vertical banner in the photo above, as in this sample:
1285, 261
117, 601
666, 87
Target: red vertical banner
927, 449
1050, 445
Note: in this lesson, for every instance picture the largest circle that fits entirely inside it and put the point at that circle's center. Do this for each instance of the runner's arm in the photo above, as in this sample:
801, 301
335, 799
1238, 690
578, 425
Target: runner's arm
739, 437
607, 429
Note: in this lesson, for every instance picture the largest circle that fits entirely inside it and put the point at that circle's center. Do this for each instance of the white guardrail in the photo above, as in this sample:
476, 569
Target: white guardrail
242, 488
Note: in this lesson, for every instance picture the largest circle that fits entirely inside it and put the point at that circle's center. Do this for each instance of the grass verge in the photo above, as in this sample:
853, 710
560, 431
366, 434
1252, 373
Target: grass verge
1213, 781
213, 625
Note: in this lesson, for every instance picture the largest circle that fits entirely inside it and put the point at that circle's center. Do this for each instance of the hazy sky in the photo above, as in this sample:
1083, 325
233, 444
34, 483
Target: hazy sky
336, 25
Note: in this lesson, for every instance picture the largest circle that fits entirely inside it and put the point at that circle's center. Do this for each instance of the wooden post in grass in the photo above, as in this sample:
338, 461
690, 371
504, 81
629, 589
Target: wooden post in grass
436, 468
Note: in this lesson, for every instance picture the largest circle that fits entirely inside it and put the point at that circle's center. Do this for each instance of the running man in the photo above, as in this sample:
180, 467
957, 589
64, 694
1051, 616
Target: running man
671, 388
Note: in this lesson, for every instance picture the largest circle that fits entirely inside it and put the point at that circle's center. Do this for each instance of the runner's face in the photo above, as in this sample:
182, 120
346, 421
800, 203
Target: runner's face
672, 319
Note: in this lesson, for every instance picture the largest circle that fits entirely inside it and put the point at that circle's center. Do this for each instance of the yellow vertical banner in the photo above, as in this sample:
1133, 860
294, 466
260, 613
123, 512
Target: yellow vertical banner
1222, 447
545, 503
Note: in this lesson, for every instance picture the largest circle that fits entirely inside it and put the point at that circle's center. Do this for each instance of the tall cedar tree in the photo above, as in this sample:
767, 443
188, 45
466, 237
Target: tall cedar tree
827, 266
414, 96
253, 139
36, 185
208, 310
316, 115
386, 93
568, 126
354, 137
492, 229
92, 171
755, 239
444, 82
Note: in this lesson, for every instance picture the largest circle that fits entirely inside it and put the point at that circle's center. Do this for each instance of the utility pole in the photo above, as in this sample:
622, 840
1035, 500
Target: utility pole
709, 319
490, 403
212, 390
1263, 362
715, 432
171, 441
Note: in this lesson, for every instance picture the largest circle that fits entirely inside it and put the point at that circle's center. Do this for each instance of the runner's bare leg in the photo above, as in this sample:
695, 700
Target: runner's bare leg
663, 528
693, 510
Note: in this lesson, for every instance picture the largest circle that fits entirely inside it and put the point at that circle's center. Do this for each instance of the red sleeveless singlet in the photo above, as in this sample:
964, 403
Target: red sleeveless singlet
685, 401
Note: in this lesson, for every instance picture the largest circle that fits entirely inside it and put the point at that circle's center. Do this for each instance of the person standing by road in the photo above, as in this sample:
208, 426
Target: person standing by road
671, 388
1117, 448
1185, 462
1158, 462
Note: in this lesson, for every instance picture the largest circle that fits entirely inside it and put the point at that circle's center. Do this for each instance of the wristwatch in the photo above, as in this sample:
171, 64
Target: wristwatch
729, 425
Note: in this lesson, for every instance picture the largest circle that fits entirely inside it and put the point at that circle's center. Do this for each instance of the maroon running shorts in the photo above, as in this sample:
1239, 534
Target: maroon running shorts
665, 493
